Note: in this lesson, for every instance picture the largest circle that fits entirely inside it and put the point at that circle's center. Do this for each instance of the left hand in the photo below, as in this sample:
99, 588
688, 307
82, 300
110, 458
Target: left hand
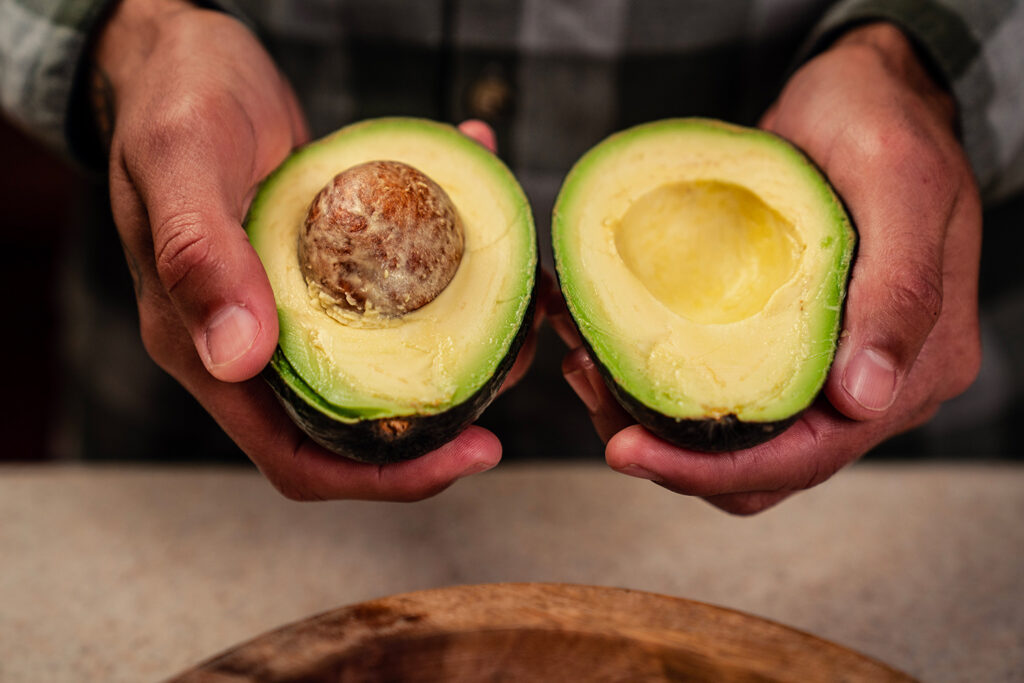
869, 114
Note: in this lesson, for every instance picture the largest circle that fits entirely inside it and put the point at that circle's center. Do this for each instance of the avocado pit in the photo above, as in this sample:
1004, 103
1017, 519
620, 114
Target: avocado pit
381, 238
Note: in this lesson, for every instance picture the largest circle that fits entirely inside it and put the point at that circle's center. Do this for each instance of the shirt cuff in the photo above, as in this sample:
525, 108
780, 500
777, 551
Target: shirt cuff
41, 48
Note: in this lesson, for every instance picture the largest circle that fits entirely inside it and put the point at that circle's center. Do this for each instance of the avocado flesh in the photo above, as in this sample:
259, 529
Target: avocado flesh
437, 359
705, 266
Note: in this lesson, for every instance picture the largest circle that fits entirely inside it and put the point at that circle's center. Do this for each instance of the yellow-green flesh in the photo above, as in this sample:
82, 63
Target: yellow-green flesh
434, 357
706, 266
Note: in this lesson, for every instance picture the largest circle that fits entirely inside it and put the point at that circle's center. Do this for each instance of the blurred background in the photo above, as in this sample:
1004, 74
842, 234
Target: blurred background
46, 418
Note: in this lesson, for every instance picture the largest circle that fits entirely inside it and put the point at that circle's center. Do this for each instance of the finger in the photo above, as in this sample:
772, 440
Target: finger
251, 415
605, 412
896, 293
193, 199
481, 132
896, 288
312, 473
547, 292
748, 503
561, 320
524, 358
767, 121
302, 470
804, 455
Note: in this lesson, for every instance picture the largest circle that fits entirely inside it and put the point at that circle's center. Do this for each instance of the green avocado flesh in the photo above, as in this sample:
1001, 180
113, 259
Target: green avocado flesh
705, 266
387, 389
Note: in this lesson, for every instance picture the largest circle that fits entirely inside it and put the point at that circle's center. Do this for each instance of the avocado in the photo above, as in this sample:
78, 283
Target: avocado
706, 266
403, 260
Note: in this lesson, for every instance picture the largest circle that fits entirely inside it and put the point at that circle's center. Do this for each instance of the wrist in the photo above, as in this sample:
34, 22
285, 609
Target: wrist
121, 47
903, 61
126, 39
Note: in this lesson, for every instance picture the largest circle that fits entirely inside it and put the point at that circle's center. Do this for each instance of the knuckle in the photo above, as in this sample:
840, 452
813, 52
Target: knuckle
813, 475
177, 120
182, 249
908, 152
879, 145
815, 468
916, 295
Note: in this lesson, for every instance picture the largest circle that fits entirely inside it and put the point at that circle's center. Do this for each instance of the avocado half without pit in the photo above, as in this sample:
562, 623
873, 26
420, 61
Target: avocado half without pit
403, 260
705, 266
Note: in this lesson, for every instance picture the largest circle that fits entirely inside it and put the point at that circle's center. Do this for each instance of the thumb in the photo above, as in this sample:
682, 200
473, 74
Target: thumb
894, 301
207, 267
217, 283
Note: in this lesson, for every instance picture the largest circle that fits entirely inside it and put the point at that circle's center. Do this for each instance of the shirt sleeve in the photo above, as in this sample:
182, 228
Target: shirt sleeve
43, 60
42, 44
977, 48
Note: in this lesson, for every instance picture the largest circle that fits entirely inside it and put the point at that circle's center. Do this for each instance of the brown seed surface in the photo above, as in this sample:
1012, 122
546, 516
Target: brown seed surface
381, 236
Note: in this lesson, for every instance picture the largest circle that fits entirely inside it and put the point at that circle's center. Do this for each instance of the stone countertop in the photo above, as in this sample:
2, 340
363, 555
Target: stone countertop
137, 573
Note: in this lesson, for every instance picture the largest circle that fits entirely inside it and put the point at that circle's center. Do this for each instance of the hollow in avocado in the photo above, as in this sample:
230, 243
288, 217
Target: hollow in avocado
403, 261
705, 266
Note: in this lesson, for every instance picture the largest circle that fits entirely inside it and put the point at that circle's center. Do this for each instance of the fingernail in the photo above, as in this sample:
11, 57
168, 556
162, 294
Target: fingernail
230, 334
577, 379
477, 468
639, 473
870, 379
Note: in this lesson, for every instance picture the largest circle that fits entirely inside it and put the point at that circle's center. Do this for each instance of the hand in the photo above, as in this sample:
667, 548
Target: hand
868, 113
200, 115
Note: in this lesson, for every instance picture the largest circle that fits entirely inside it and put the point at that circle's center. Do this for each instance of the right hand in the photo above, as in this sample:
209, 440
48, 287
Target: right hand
869, 113
200, 115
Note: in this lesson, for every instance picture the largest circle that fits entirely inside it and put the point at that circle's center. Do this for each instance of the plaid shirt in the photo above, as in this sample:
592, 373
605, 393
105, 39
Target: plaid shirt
552, 76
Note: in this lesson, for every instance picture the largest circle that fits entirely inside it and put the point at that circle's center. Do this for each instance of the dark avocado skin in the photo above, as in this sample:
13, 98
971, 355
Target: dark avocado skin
711, 435
389, 440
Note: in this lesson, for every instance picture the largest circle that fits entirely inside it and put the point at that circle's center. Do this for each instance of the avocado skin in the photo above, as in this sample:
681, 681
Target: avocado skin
395, 439
711, 435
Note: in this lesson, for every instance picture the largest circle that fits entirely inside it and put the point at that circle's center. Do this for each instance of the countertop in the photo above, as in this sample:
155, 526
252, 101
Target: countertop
137, 573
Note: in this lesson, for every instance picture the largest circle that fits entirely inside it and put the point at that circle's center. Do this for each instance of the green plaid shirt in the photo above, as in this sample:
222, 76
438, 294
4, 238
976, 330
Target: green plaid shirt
554, 76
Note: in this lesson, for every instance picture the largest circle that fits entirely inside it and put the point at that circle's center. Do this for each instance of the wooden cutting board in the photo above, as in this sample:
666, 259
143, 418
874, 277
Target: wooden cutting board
537, 632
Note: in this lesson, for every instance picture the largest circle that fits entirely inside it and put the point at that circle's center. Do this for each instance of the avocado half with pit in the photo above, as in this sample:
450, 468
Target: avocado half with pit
403, 259
705, 266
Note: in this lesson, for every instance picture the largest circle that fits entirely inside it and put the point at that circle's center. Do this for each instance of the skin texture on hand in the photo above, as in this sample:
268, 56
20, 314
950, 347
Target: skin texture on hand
870, 116
198, 115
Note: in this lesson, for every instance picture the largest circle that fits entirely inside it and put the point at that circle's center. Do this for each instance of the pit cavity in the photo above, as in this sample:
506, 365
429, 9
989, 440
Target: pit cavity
711, 251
